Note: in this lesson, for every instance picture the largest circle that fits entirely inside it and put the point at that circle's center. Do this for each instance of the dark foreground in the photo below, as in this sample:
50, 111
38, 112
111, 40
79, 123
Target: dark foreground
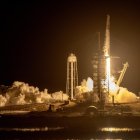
80, 127
68, 135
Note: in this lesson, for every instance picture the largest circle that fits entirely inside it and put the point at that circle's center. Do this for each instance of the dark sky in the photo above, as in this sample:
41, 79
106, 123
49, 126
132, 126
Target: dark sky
36, 39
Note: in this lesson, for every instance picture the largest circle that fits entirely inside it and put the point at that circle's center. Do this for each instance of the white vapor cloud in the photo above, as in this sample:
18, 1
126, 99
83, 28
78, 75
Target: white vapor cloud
21, 93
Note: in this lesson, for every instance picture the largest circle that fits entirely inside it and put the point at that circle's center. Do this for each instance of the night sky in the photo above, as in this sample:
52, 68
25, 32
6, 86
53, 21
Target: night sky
36, 39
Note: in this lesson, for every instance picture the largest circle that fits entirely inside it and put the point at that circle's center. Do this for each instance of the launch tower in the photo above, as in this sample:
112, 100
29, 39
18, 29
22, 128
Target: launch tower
101, 67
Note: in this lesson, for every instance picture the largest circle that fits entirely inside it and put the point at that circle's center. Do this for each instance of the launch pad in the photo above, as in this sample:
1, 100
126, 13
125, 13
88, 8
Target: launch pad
104, 88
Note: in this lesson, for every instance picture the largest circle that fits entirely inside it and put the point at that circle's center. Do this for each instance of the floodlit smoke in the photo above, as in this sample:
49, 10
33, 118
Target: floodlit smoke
21, 93
2, 100
43, 97
82, 92
60, 96
89, 84
121, 94
125, 96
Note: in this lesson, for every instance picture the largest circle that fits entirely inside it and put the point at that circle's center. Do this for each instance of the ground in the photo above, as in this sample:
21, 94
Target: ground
71, 109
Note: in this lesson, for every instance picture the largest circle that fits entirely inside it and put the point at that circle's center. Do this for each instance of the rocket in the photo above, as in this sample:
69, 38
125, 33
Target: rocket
106, 50
106, 47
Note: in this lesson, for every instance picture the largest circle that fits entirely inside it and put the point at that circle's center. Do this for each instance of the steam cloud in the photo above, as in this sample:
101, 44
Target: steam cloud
125, 96
121, 95
21, 93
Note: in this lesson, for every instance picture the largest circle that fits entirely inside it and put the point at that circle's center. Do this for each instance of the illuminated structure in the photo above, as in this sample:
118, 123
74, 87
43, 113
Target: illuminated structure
122, 73
101, 67
99, 75
72, 75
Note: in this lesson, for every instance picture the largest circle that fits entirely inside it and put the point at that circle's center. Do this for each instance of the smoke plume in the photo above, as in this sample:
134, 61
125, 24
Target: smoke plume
121, 95
21, 93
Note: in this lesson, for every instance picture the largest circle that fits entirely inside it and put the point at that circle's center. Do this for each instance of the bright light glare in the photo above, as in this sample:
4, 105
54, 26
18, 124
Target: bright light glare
112, 86
110, 79
115, 129
108, 71
90, 84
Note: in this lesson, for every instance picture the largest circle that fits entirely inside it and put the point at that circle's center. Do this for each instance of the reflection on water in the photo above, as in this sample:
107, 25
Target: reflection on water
43, 129
43, 133
116, 129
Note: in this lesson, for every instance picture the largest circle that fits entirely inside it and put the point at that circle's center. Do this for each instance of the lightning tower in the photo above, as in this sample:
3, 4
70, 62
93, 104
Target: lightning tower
72, 75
